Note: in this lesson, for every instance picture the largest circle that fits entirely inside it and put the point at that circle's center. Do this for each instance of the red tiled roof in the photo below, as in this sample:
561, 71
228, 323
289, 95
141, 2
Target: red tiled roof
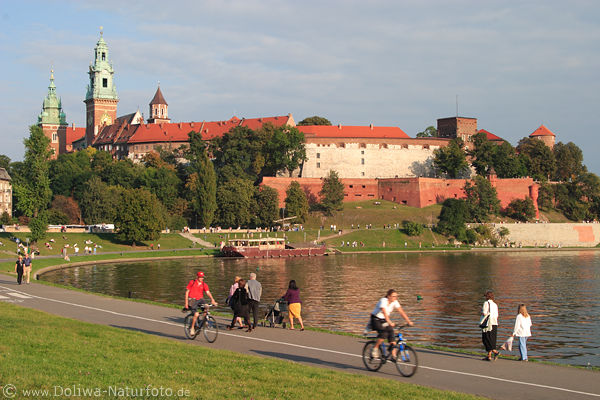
339, 131
74, 134
178, 132
490, 136
158, 98
542, 131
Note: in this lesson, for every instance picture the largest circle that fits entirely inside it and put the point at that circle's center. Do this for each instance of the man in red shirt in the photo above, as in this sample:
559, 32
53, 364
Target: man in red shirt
194, 297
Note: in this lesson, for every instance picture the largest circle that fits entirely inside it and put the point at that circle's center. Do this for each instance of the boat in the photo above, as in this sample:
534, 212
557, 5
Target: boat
269, 248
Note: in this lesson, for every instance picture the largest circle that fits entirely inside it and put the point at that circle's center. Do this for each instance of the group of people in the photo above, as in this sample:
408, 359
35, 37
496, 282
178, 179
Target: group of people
244, 299
489, 328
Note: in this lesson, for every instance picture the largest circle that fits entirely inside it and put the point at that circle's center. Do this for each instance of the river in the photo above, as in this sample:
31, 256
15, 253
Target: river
442, 292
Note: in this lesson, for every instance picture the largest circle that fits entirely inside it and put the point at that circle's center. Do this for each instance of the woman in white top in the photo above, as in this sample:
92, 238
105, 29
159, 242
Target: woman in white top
489, 333
522, 330
382, 323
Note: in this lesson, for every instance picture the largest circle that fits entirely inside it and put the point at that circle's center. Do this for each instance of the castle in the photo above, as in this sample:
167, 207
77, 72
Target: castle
372, 161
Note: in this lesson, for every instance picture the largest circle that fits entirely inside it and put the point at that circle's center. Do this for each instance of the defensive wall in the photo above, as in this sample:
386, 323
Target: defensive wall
553, 235
413, 192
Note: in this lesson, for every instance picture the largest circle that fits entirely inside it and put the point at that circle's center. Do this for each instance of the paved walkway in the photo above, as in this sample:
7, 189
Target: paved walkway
195, 239
503, 379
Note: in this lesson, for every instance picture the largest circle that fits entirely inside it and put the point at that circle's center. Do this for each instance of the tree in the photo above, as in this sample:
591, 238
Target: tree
235, 203
32, 188
507, 163
139, 216
451, 159
482, 199
202, 181
99, 201
163, 182
69, 207
5, 163
38, 226
267, 206
430, 131
538, 158
296, 204
332, 193
412, 228
569, 161
314, 120
546, 196
482, 154
283, 149
453, 218
520, 209
237, 154
69, 172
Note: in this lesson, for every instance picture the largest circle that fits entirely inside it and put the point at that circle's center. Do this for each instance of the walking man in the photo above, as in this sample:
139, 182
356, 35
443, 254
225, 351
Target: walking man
19, 269
27, 267
254, 291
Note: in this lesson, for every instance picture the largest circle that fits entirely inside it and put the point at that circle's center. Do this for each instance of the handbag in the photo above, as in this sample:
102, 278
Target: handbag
484, 322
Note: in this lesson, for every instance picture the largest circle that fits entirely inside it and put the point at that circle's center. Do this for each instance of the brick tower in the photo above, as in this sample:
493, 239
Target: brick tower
159, 109
52, 119
101, 98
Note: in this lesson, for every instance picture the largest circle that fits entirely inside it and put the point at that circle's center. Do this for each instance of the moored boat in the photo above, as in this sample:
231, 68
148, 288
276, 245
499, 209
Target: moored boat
268, 248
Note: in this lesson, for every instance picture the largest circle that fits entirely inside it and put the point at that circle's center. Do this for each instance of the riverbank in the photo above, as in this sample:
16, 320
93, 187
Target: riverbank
83, 358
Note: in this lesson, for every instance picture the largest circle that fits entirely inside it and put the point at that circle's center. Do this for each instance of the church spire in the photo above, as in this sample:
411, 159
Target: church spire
159, 109
52, 112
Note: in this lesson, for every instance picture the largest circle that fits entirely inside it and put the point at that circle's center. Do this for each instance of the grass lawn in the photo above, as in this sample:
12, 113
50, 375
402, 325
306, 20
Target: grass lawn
394, 239
88, 357
106, 240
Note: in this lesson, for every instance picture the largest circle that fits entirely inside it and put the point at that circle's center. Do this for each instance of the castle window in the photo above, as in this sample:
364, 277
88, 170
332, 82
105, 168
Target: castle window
103, 56
104, 82
351, 186
362, 161
54, 138
318, 155
362, 174
318, 165
362, 146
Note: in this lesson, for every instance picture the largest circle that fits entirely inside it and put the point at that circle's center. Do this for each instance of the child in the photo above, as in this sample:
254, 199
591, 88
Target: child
522, 330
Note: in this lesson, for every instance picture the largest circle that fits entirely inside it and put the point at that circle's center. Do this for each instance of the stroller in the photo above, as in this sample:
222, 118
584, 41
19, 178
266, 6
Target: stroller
275, 314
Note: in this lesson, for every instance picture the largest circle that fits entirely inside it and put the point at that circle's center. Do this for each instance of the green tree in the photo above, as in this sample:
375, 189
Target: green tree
5, 218
201, 184
5, 163
237, 154
296, 204
430, 131
520, 209
507, 163
69, 172
283, 149
538, 158
451, 159
139, 216
482, 199
546, 196
332, 193
32, 188
267, 206
38, 226
123, 173
482, 154
67, 206
99, 201
453, 218
163, 182
412, 228
314, 120
235, 203
569, 161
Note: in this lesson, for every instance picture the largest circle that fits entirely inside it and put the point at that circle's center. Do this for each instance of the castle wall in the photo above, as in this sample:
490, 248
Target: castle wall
553, 235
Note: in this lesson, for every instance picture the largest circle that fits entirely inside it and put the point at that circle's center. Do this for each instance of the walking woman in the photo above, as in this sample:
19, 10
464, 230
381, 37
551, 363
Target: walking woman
292, 296
239, 303
489, 332
522, 330
19, 269
232, 290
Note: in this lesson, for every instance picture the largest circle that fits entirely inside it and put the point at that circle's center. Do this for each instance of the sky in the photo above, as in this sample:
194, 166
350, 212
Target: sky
513, 65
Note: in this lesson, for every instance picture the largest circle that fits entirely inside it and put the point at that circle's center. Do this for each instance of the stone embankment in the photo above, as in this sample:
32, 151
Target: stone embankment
553, 235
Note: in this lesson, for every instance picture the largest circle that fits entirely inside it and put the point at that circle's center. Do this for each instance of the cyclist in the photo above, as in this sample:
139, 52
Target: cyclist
381, 322
194, 297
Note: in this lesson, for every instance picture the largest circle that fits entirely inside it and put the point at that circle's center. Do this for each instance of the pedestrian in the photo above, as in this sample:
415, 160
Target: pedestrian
27, 267
489, 326
254, 291
19, 269
522, 330
240, 303
292, 296
232, 290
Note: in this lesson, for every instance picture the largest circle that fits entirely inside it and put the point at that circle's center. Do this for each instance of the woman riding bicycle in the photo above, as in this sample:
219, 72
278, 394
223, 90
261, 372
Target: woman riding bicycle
381, 322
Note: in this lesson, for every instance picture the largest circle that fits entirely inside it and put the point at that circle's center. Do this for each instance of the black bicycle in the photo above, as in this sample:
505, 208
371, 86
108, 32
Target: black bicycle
205, 323
406, 360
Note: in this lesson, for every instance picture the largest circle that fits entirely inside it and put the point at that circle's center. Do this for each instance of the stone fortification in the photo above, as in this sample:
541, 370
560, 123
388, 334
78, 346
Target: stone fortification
553, 235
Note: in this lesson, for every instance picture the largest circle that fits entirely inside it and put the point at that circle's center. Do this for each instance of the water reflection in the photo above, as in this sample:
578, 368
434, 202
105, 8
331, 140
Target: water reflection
559, 288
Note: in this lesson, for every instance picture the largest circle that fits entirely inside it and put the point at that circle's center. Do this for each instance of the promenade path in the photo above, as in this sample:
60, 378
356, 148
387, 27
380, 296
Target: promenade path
503, 379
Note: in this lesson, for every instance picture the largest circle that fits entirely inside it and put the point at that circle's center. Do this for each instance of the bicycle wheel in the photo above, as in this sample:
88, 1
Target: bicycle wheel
187, 324
210, 330
372, 363
406, 362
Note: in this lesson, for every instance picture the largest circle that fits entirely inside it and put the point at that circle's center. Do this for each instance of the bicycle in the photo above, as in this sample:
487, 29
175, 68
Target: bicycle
406, 359
205, 323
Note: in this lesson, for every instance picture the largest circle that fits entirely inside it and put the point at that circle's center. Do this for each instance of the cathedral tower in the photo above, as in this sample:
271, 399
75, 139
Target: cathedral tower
101, 98
52, 119
159, 109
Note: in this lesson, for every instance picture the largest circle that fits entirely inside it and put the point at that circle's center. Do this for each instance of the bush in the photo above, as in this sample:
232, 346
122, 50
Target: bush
412, 228
5, 218
38, 227
520, 209
176, 222
470, 236
57, 217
